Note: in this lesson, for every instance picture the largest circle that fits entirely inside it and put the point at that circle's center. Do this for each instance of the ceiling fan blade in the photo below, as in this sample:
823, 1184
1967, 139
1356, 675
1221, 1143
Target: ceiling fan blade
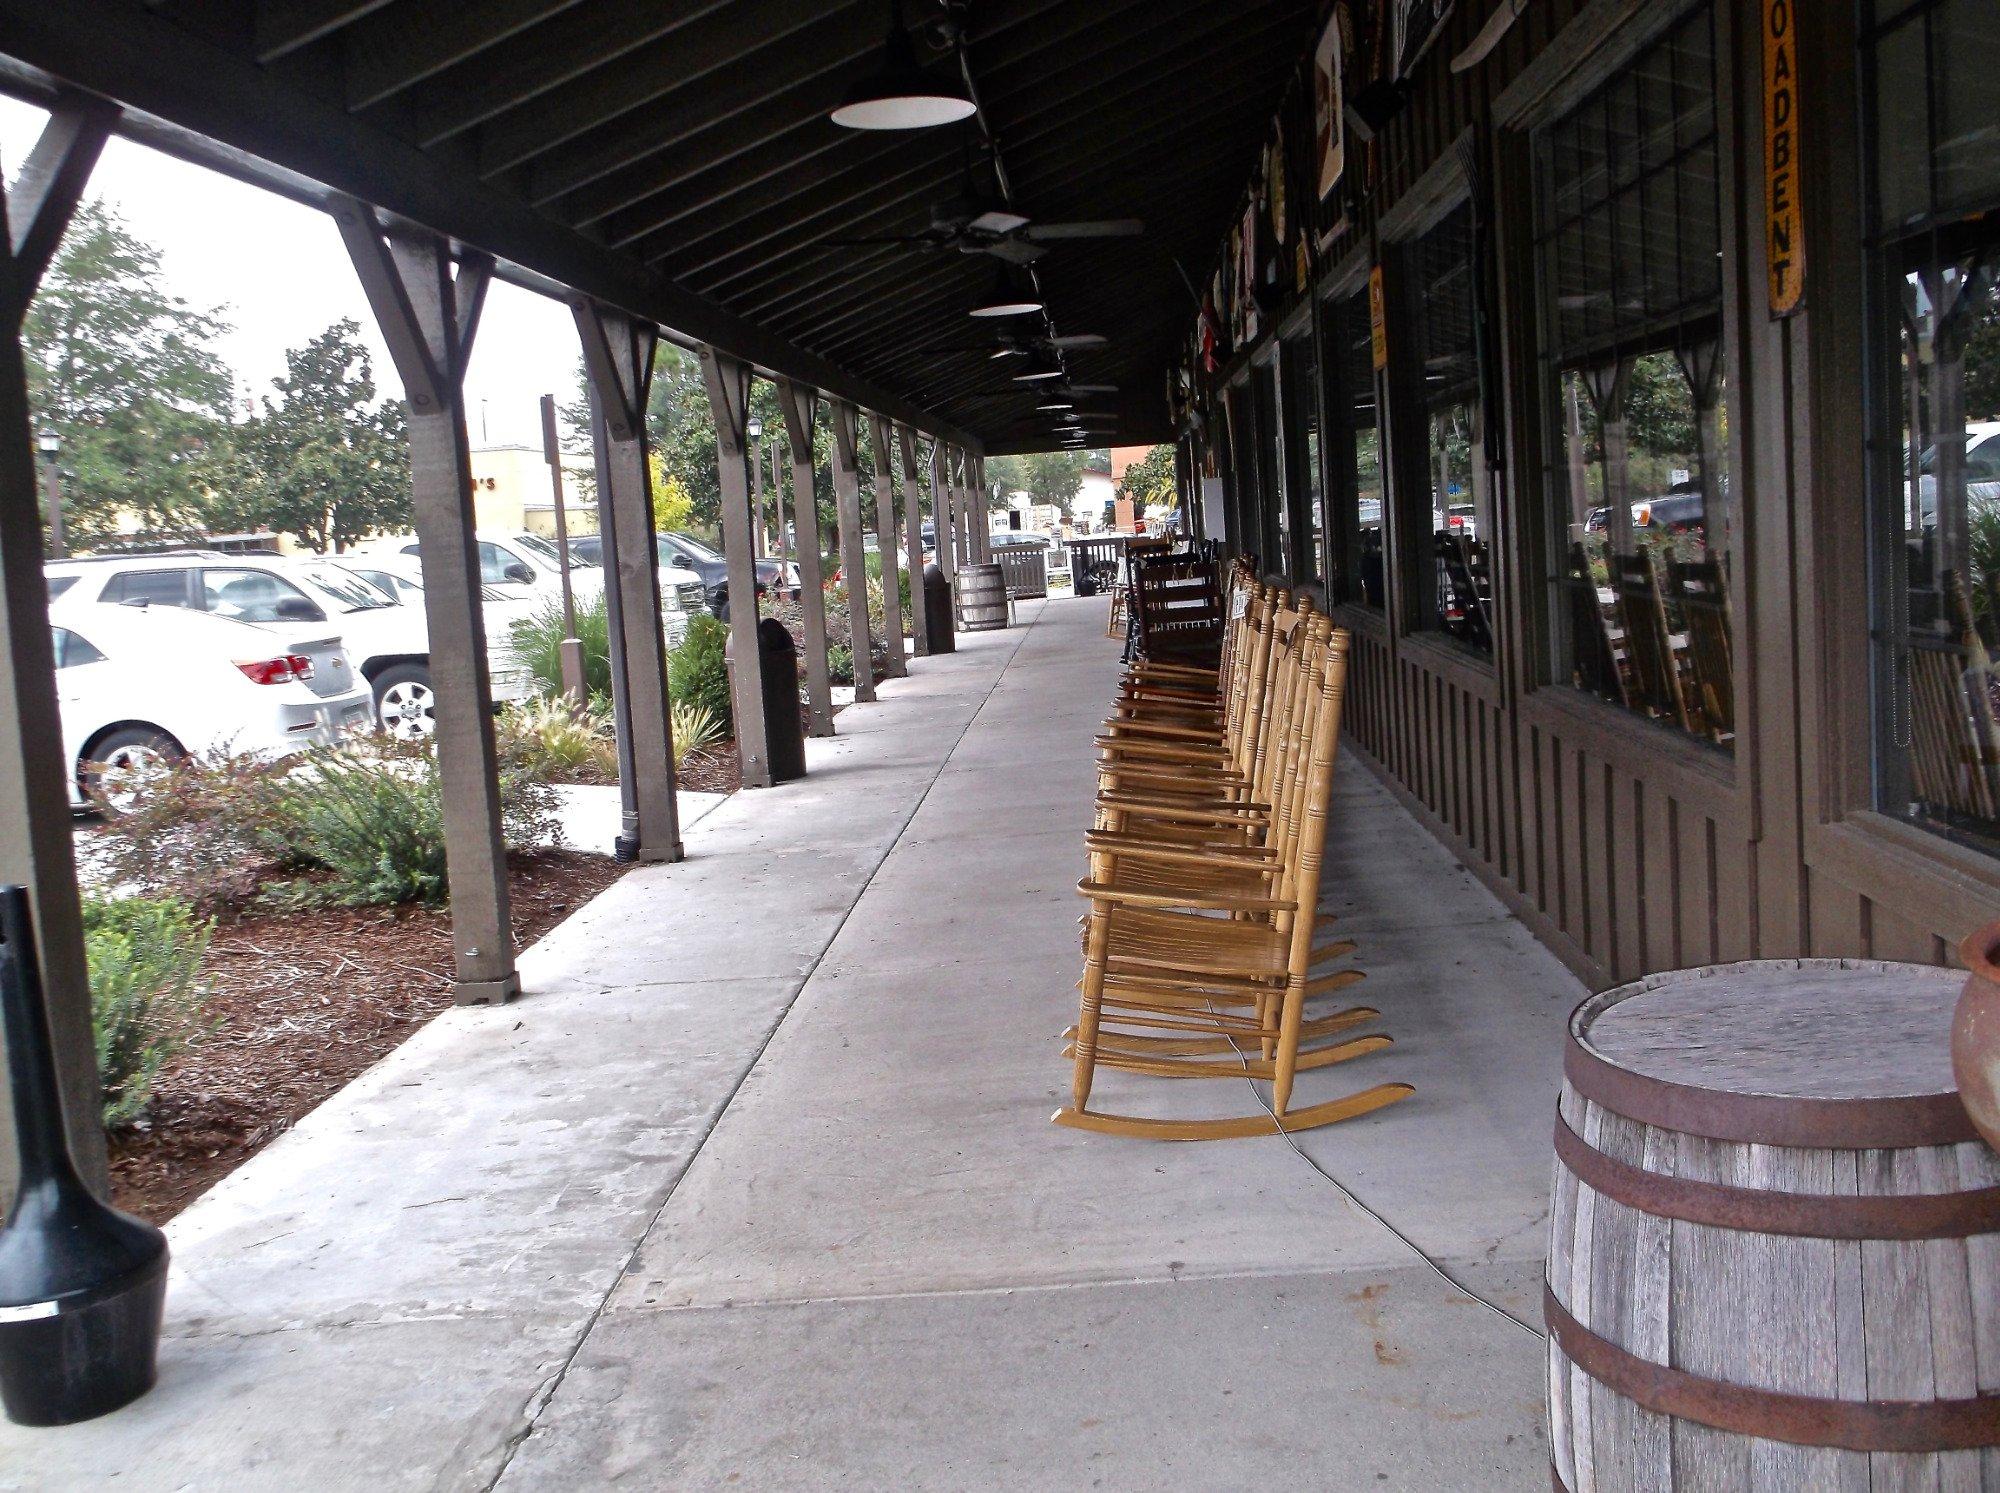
1013, 249
1081, 339
1102, 228
1093, 388
995, 221
887, 238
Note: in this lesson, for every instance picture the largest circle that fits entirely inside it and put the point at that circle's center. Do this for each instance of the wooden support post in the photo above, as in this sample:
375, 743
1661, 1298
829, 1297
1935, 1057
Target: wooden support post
853, 552
944, 513
982, 512
798, 401
35, 846
728, 383
913, 536
428, 317
618, 368
887, 537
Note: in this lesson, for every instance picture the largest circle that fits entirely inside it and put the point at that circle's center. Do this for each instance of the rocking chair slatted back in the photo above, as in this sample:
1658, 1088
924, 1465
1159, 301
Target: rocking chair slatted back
1701, 592
1656, 675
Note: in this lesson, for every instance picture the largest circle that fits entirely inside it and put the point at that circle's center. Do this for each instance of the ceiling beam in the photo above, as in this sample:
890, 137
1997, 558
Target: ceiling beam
284, 26
419, 39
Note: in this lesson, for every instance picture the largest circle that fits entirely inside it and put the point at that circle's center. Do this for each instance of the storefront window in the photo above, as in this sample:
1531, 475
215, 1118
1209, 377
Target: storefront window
1273, 517
1453, 517
1641, 526
1936, 181
1354, 452
1299, 384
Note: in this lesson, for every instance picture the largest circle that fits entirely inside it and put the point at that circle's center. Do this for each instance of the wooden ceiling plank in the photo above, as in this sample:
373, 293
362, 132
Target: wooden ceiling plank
418, 39
284, 26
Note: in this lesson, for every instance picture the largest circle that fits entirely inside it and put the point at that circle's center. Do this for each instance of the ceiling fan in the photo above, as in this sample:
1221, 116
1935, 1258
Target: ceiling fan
974, 227
1015, 344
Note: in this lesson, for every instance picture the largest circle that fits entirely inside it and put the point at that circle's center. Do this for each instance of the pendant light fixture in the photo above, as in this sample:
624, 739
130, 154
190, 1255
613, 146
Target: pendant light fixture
1010, 295
1042, 366
902, 95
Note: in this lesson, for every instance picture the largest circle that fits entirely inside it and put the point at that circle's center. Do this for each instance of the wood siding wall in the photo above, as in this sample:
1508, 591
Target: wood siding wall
1627, 847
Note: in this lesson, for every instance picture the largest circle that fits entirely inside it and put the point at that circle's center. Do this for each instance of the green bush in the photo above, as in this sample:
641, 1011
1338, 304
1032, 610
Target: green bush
538, 639
371, 816
200, 832
698, 670
144, 956
553, 739
695, 729
839, 663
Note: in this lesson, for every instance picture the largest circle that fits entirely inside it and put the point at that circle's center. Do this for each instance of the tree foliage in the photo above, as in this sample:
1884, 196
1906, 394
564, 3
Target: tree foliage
1150, 481
121, 370
325, 461
1045, 476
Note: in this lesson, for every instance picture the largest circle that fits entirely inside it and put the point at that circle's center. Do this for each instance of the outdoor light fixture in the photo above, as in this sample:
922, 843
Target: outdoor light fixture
902, 96
1041, 366
754, 428
1008, 297
49, 444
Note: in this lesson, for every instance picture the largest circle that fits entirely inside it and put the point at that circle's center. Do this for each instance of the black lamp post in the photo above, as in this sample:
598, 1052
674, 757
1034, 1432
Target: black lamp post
753, 429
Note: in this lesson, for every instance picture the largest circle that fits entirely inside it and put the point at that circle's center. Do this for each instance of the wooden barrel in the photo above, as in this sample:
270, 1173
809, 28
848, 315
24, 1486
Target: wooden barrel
1774, 1251
982, 597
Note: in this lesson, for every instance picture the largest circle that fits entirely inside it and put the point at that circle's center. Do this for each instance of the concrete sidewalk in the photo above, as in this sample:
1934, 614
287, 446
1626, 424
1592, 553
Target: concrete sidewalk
756, 1184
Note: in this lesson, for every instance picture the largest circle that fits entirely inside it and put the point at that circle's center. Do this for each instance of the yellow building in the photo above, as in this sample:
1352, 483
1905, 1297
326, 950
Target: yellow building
510, 490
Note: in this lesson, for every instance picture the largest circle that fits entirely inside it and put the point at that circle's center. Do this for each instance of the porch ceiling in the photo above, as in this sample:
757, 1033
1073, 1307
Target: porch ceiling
677, 159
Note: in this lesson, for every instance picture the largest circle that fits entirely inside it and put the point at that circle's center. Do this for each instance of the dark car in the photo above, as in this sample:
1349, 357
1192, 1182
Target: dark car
696, 556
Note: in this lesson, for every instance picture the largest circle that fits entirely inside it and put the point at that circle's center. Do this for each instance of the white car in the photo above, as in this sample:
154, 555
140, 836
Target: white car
388, 643
141, 686
522, 559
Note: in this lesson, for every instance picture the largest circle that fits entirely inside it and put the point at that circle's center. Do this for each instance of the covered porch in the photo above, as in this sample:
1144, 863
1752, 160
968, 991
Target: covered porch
756, 1183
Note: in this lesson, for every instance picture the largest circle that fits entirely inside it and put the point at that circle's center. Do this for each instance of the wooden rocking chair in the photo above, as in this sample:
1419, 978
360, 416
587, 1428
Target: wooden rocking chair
1701, 591
1649, 649
1198, 958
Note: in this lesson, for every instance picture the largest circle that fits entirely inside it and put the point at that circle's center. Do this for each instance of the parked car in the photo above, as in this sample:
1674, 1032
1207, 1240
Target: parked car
680, 551
409, 714
141, 686
519, 558
388, 643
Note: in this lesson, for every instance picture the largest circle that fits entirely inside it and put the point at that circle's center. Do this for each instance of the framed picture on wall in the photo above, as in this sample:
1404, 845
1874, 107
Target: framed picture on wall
1330, 128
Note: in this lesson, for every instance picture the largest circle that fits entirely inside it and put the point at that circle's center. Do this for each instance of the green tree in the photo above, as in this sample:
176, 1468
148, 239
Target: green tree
1150, 481
122, 372
1045, 476
325, 461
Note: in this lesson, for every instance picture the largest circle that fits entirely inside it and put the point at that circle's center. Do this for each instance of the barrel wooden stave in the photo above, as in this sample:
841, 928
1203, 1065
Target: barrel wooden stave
1872, 1319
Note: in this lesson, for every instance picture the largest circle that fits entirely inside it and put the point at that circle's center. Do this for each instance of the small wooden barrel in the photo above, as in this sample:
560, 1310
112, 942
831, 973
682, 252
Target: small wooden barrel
982, 597
1774, 1252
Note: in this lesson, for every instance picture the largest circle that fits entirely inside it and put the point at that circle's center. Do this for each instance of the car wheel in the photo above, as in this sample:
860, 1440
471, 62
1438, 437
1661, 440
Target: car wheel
118, 770
405, 707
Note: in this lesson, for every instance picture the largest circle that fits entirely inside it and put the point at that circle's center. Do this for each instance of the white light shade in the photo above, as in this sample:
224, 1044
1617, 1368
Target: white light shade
902, 96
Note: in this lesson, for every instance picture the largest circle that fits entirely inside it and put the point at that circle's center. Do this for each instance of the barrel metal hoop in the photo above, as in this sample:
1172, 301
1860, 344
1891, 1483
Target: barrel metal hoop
1888, 1123
1800, 1420
1938, 1215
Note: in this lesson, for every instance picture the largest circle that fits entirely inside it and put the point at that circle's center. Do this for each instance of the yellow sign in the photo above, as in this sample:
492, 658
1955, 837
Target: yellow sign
1784, 228
1378, 330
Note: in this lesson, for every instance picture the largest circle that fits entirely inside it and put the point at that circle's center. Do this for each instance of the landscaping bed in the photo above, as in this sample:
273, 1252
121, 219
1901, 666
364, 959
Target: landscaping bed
301, 1003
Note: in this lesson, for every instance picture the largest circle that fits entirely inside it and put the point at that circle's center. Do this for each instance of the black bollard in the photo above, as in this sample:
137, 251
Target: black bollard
82, 1286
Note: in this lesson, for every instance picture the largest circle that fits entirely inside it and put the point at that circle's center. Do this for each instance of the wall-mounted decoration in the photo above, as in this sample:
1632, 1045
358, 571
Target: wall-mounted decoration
1784, 239
1328, 123
1274, 184
1378, 321
1414, 25
1246, 276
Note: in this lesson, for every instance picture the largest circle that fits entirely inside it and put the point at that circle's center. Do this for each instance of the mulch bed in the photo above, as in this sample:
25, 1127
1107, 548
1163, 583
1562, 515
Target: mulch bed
714, 769
304, 1002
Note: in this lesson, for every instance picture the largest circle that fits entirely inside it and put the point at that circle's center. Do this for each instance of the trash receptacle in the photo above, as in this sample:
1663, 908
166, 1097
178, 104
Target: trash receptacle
82, 1285
939, 629
1081, 581
778, 670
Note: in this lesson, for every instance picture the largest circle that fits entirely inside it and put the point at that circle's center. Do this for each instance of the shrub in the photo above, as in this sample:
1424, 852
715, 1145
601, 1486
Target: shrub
200, 832
538, 639
555, 740
698, 670
839, 663
144, 956
371, 816
695, 729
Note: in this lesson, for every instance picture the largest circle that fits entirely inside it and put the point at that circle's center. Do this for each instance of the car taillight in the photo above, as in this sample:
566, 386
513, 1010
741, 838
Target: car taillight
283, 669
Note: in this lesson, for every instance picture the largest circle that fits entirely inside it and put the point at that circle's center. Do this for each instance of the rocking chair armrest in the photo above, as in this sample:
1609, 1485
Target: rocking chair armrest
1164, 751
1243, 813
1146, 848
1166, 670
1223, 784
1165, 731
1098, 891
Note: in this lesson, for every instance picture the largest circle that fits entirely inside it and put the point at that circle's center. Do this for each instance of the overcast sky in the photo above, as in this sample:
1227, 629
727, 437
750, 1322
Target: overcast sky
280, 276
